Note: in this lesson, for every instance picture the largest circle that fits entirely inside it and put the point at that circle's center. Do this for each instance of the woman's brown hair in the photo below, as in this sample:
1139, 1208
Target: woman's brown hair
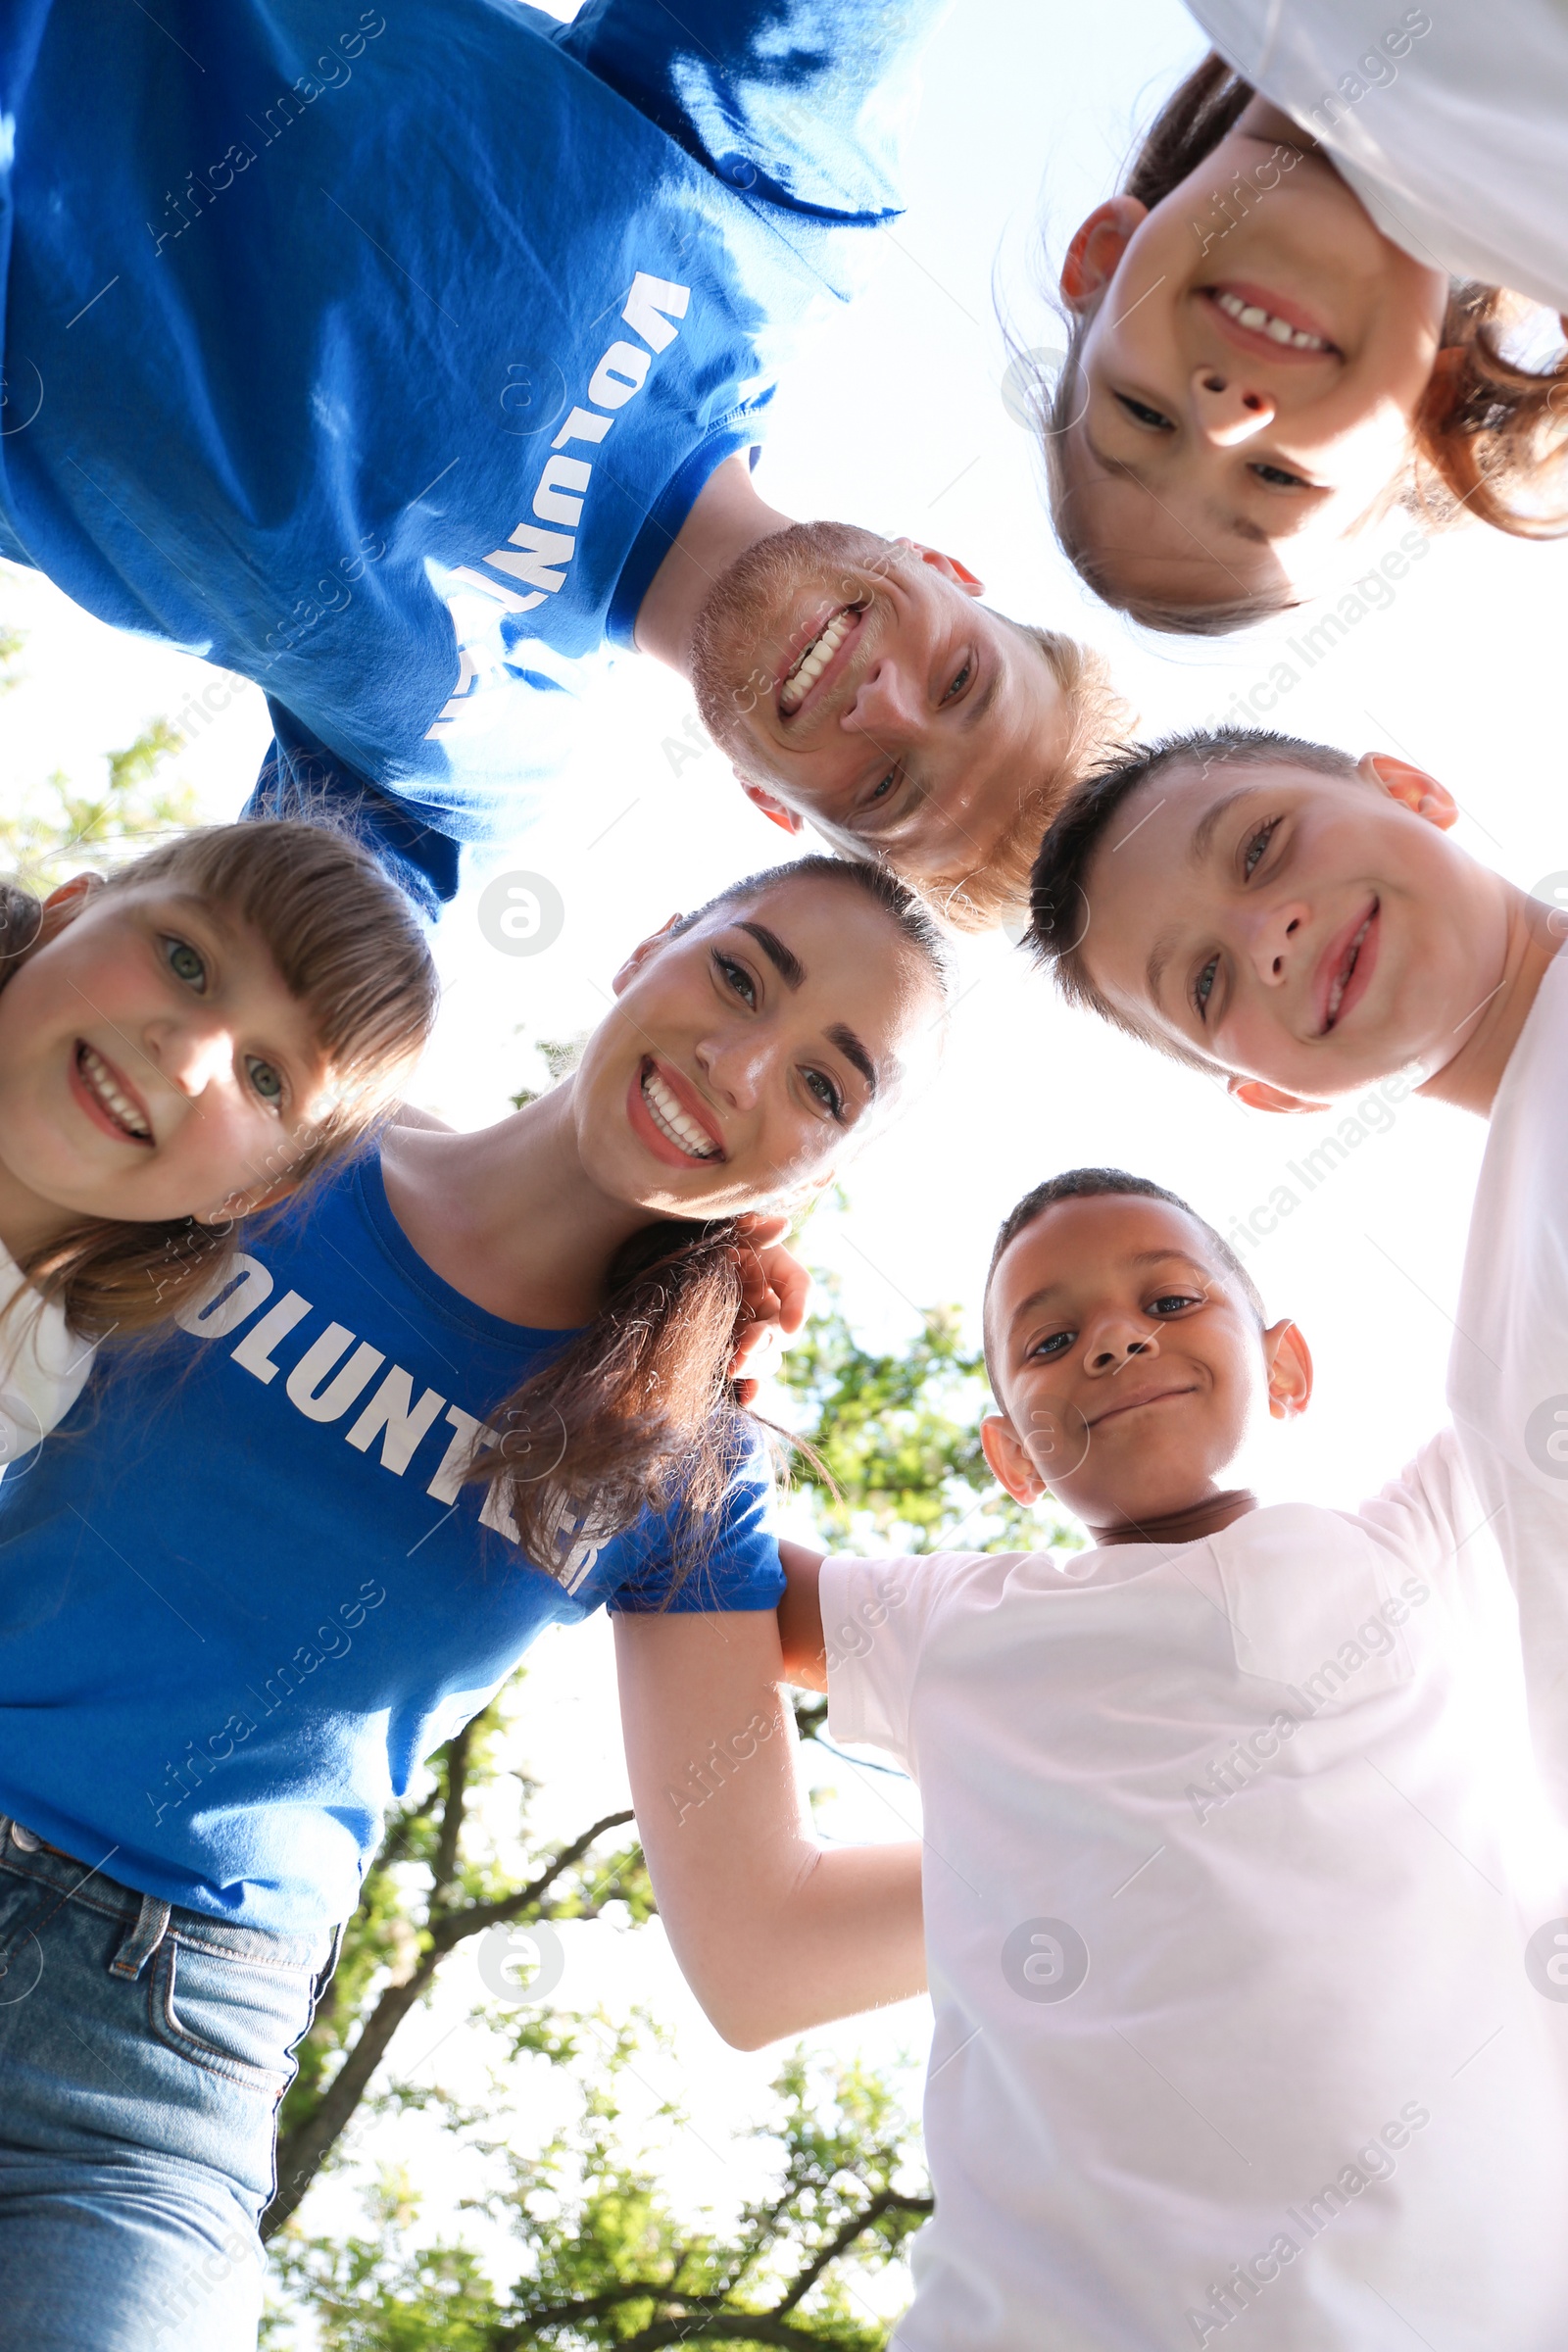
1485, 430
638, 1411
347, 944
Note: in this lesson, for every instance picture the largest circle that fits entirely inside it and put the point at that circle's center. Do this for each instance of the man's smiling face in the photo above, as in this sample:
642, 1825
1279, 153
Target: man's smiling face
1308, 929
858, 685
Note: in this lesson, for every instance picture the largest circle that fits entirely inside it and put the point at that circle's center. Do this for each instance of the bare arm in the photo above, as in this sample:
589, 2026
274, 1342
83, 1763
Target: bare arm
800, 1617
773, 1932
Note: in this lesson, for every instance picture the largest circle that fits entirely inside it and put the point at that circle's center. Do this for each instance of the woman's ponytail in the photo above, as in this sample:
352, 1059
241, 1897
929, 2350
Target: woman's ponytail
637, 1411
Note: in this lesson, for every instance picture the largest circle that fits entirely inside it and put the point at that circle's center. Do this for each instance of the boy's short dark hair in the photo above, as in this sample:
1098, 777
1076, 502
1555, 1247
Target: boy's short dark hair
1093, 1184
1057, 899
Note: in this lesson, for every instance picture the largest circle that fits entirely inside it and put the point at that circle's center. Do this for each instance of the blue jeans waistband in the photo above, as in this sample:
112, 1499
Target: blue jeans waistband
79, 1881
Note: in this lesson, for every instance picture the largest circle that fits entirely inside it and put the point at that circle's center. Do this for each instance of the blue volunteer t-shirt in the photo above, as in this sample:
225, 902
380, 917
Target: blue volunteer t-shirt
242, 1593
379, 353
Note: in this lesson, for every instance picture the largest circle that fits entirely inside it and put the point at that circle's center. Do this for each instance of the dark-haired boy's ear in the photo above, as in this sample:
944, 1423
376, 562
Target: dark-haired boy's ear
1096, 252
640, 954
1259, 1094
64, 903
1289, 1371
1009, 1462
772, 807
1412, 788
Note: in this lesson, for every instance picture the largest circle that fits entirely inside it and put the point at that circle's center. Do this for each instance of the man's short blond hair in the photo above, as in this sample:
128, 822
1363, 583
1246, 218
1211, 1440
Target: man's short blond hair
1100, 723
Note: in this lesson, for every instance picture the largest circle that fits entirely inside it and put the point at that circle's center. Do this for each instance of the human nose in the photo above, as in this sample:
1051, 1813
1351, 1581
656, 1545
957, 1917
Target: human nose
1272, 934
735, 1066
1116, 1338
1228, 412
191, 1055
886, 701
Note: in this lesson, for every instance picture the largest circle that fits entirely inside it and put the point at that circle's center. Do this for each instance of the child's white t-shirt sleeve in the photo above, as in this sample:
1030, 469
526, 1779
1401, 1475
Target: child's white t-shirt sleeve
1432, 1515
875, 1618
43, 1364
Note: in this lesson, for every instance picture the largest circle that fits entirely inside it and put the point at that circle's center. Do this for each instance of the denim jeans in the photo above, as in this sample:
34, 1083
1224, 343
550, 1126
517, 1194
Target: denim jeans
143, 2053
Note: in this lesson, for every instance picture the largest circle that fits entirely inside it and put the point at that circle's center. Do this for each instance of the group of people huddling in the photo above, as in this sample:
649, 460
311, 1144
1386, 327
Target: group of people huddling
401, 365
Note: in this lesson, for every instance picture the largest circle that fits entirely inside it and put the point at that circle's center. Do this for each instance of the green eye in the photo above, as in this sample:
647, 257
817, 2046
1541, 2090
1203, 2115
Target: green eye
184, 962
266, 1080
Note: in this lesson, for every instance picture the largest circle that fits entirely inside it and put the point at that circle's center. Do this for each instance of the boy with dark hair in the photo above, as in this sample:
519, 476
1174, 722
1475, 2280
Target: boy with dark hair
1299, 922
401, 363
1228, 1824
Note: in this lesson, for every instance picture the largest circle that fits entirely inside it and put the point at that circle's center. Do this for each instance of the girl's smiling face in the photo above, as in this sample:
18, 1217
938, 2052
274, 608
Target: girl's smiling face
1246, 392
743, 1052
153, 1064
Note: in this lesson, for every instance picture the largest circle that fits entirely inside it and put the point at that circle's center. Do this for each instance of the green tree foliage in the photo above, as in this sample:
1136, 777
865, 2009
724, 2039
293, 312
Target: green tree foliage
57, 830
605, 2259
51, 831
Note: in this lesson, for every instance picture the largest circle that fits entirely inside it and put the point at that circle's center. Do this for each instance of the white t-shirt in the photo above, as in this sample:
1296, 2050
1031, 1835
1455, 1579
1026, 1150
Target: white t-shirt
1508, 1365
1232, 1853
43, 1364
1448, 122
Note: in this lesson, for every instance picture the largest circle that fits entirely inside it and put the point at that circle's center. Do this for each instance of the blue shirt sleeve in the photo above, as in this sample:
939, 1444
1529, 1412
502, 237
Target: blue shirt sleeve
804, 103
737, 1566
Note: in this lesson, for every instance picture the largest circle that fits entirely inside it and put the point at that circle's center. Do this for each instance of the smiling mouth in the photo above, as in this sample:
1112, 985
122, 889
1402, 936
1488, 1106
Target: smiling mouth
814, 657
1342, 977
1135, 1404
99, 1080
1260, 322
675, 1124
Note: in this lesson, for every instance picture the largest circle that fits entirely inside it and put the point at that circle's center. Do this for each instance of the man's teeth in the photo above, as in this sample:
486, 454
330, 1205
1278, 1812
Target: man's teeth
1342, 978
816, 659
118, 1107
1264, 323
672, 1122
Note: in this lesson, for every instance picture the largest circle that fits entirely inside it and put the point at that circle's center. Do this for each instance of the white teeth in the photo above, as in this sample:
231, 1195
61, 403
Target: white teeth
674, 1123
1341, 979
120, 1108
1277, 330
816, 659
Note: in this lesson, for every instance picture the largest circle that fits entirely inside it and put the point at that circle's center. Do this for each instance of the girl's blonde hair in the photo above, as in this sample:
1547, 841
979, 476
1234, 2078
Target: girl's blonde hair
1486, 430
347, 944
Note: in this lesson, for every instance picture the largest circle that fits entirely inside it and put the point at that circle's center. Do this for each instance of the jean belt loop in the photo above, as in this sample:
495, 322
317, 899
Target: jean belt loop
142, 1940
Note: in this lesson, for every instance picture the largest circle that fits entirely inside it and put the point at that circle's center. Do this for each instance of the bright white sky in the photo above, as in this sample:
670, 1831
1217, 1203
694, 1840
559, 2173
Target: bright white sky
895, 418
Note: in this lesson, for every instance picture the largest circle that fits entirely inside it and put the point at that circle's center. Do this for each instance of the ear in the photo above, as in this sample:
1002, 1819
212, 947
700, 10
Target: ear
1289, 1371
64, 903
1010, 1465
1412, 788
1096, 252
948, 566
772, 809
1259, 1094
640, 954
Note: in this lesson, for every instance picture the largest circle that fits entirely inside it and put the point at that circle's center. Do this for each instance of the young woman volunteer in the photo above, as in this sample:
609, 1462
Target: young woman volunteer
484, 1386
